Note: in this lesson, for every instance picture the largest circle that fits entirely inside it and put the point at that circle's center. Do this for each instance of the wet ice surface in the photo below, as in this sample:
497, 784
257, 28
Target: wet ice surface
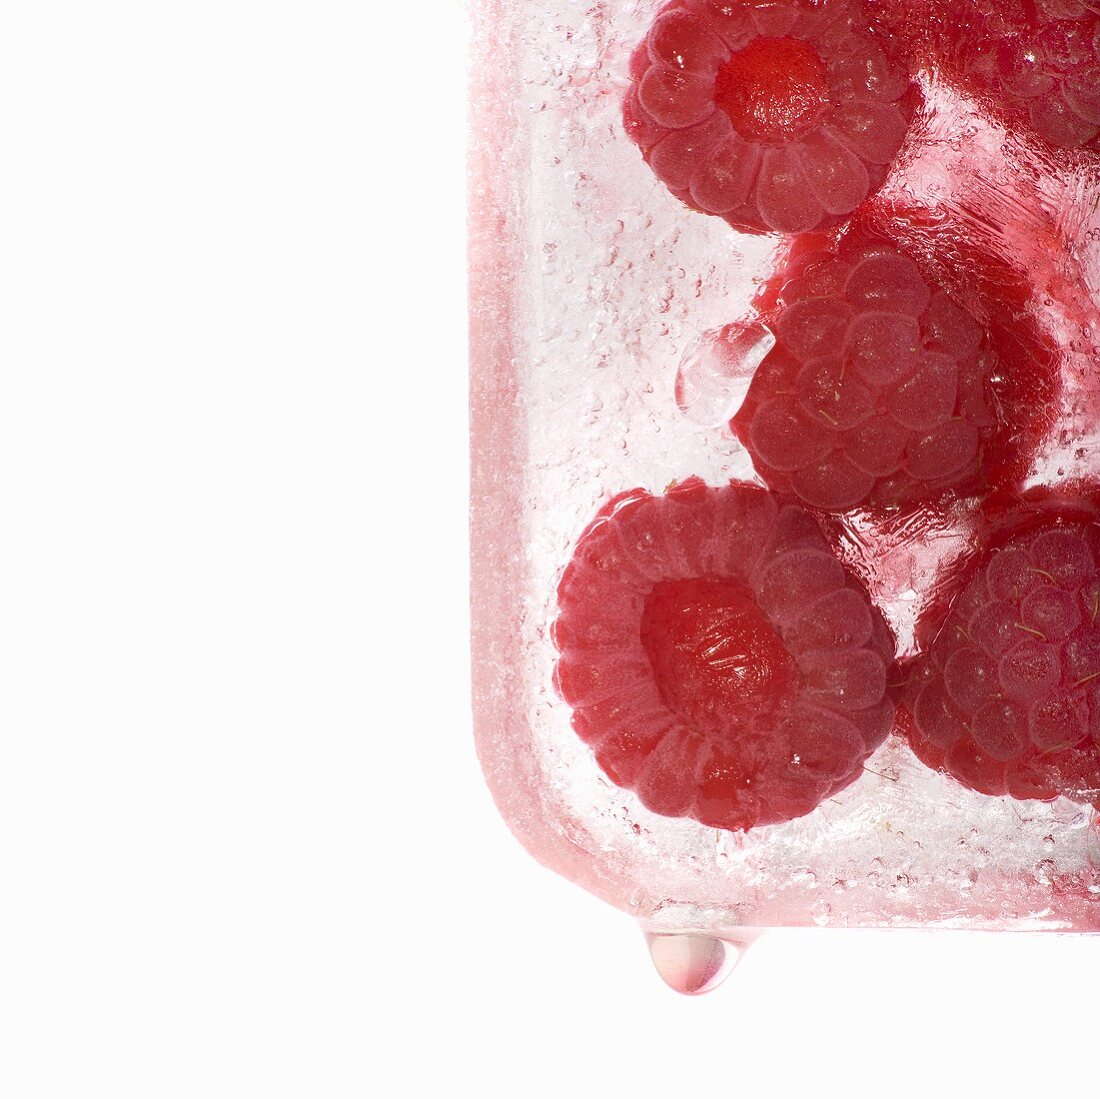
620, 287
714, 375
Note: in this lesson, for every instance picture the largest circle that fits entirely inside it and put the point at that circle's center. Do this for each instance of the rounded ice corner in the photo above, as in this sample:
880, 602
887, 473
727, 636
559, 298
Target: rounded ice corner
620, 338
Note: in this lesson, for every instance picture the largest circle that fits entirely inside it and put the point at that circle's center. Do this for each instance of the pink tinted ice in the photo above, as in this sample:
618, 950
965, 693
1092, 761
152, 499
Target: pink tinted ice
591, 285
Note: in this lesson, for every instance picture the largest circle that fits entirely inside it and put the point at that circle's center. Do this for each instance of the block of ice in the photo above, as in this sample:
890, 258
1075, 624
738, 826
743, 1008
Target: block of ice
691, 713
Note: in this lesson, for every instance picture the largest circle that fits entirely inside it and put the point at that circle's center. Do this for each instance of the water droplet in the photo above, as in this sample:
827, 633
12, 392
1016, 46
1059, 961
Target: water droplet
715, 374
693, 964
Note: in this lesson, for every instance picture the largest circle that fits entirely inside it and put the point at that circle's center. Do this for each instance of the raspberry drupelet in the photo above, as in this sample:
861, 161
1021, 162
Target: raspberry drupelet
717, 658
778, 116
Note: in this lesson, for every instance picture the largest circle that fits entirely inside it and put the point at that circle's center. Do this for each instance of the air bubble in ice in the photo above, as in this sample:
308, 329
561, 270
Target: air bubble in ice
715, 374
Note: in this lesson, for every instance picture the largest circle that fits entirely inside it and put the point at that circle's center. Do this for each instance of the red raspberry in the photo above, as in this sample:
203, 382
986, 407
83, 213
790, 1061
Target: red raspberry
718, 659
880, 389
776, 115
1036, 63
1007, 699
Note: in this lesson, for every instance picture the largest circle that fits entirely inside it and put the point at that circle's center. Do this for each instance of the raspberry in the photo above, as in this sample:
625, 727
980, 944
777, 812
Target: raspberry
1035, 63
776, 115
880, 390
718, 659
1007, 698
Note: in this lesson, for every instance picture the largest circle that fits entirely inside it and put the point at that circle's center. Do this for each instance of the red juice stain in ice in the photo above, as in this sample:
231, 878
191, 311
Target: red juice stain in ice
715, 656
773, 90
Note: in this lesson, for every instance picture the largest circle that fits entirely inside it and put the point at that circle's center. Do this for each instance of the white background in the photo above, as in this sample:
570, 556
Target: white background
245, 849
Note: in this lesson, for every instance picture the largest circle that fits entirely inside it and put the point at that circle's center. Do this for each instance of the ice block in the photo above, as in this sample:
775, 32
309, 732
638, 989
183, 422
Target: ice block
786, 556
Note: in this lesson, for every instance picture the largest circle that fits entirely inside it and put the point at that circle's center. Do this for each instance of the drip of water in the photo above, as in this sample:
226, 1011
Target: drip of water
693, 964
715, 374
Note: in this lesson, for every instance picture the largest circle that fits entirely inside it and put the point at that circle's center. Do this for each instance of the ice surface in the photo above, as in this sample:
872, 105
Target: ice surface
591, 288
715, 374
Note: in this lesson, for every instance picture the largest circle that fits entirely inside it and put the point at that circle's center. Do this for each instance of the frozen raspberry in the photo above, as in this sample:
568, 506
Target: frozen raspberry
880, 389
718, 659
1007, 698
1036, 63
776, 115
